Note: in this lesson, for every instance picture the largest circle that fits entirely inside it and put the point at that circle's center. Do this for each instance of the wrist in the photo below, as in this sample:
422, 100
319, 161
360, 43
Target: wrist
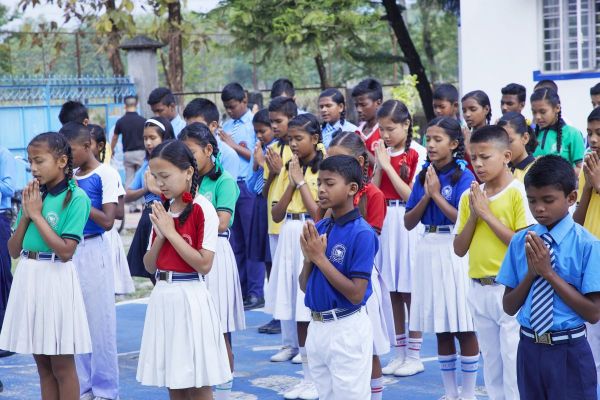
300, 184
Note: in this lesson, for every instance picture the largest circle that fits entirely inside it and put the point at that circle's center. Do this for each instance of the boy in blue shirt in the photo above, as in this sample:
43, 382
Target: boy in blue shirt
552, 280
338, 260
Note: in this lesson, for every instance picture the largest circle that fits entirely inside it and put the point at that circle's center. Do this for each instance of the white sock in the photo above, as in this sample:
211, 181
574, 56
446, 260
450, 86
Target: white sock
414, 348
305, 368
448, 369
469, 366
223, 390
401, 345
376, 388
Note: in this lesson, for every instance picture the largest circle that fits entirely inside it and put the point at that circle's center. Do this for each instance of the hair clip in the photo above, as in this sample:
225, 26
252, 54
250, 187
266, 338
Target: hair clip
462, 164
187, 197
71, 184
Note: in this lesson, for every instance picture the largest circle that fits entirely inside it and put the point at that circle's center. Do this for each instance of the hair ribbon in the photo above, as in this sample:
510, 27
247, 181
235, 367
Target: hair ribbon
155, 122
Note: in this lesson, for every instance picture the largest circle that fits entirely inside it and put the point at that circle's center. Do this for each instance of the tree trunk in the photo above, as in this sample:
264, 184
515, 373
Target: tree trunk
175, 49
114, 40
322, 71
426, 22
413, 60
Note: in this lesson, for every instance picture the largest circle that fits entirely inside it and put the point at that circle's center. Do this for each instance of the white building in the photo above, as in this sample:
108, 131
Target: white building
525, 41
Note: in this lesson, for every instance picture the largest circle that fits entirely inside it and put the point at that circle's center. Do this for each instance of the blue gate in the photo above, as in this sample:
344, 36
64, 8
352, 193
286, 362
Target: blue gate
29, 106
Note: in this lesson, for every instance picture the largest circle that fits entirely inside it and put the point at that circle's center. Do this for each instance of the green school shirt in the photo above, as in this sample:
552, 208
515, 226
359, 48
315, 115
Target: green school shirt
222, 193
572, 148
67, 222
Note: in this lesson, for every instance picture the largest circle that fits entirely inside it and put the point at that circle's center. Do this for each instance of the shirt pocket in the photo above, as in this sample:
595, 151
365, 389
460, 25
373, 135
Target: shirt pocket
571, 272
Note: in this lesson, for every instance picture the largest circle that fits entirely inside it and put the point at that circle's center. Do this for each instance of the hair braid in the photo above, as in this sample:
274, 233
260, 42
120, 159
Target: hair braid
103, 154
558, 127
488, 117
68, 172
459, 154
193, 189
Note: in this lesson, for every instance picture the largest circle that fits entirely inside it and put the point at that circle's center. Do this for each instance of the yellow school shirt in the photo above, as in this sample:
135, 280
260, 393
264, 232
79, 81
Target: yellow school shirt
487, 251
592, 216
520, 170
296, 205
278, 186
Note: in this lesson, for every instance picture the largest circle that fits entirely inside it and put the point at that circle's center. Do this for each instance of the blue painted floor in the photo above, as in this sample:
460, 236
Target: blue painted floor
256, 377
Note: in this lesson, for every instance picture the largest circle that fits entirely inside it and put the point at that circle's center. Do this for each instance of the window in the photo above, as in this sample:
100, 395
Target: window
571, 35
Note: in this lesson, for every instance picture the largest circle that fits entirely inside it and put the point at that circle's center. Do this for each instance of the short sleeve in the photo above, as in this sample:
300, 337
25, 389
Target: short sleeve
110, 186
577, 147
138, 180
463, 213
365, 247
508, 270
415, 196
76, 216
523, 216
591, 273
581, 185
462, 186
120, 188
229, 159
209, 231
227, 192
376, 209
117, 130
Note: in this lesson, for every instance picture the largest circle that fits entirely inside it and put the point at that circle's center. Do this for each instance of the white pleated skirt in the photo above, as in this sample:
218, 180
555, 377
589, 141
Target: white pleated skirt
441, 284
182, 344
396, 250
379, 310
284, 299
122, 275
45, 313
223, 283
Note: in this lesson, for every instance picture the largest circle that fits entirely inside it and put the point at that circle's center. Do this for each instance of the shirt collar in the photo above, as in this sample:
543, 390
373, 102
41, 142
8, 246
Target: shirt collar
561, 229
58, 189
243, 118
348, 217
523, 164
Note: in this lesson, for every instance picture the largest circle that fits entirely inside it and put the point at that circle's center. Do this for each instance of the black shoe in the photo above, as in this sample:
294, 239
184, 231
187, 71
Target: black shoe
1, 387
253, 302
6, 353
273, 326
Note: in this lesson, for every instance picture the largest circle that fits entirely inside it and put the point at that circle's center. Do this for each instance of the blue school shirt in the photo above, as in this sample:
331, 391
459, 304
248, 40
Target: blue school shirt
328, 130
351, 248
433, 215
138, 182
577, 252
102, 187
242, 132
178, 124
229, 158
7, 172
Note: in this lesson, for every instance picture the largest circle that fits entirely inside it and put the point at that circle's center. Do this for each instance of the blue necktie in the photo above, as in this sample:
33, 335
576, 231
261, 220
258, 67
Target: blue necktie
542, 303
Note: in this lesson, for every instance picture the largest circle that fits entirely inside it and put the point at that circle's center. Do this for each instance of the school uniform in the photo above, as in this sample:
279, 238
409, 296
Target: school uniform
98, 372
371, 139
228, 157
564, 369
178, 124
139, 243
572, 144
519, 170
328, 131
46, 290
497, 332
223, 281
440, 280
339, 341
7, 190
397, 251
182, 342
259, 230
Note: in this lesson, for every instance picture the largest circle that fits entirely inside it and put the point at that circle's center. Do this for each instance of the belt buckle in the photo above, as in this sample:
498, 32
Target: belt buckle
432, 229
166, 276
317, 316
487, 281
544, 338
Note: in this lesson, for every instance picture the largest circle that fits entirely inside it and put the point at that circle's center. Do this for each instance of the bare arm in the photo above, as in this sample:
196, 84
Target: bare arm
152, 255
114, 141
15, 243
582, 206
307, 267
224, 218
134, 194
311, 205
105, 218
279, 209
462, 241
413, 217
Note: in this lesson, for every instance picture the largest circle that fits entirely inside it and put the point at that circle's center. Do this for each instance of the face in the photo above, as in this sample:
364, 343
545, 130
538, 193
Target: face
151, 138
595, 100
81, 152
235, 109
366, 108
439, 146
301, 143
517, 143
264, 133
510, 102
444, 108
474, 113
279, 124
333, 189
202, 155
171, 180
593, 130
489, 160
548, 204
544, 113
45, 166
330, 111
393, 134
160, 110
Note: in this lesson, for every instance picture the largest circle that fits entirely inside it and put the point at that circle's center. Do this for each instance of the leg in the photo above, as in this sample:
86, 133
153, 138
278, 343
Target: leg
129, 163
63, 368
412, 364
509, 342
203, 393
469, 361
376, 379
447, 360
399, 313
255, 271
400, 328
178, 394
317, 346
48, 384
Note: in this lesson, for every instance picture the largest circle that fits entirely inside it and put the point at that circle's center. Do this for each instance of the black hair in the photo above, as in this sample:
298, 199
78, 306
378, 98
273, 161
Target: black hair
371, 87
201, 107
199, 133
517, 90
285, 105
551, 96
99, 136
453, 130
178, 154
594, 115
233, 91
262, 117
446, 92
58, 146
130, 100
398, 113
552, 170
491, 133
346, 166
595, 90
73, 111
482, 99
161, 95
75, 131
518, 122
255, 98
282, 86
310, 124
546, 83
337, 98
165, 134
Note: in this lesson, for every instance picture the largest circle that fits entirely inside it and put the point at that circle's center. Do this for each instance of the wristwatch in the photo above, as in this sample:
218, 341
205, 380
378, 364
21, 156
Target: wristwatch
300, 184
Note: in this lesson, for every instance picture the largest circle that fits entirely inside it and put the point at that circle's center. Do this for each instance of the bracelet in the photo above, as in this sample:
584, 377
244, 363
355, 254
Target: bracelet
300, 184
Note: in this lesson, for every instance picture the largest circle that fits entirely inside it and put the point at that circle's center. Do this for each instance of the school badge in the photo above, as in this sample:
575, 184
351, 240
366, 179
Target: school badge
338, 252
447, 192
52, 219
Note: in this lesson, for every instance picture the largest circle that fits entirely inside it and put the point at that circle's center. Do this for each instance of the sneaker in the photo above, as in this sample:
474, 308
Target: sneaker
411, 366
392, 366
271, 327
87, 396
297, 359
296, 390
285, 354
309, 392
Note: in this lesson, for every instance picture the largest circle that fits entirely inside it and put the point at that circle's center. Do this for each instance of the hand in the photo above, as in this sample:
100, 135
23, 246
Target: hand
33, 203
313, 245
274, 161
295, 171
226, 138
150, 183
25, 200
382, 156
162, 221
591, 171
479, 201
259, 157
432, 182
538, 255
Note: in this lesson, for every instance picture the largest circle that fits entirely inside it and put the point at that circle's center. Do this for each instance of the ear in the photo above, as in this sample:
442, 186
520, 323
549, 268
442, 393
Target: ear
314, 139
507, 156
86, 121
62, 161
208, 150
453, 145
525, 138
572, 198
378, 102
353, 189
101, 146
213, 126
361, 161
189, 173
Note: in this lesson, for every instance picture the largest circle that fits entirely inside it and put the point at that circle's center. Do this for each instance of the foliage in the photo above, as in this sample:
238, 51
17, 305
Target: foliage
407, 93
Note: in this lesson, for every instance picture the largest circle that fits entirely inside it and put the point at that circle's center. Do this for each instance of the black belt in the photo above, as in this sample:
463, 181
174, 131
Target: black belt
298, 217
486, 281
225, 234
395, 202
91, 236
335, 314
41, 256
438, 228
171, 276
556, 337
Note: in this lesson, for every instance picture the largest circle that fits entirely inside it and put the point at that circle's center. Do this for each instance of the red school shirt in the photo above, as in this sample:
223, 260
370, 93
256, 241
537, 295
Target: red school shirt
376, 207
411, 158
370, 140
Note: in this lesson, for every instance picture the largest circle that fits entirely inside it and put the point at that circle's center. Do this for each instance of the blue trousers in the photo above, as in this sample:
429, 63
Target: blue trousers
558, 372
5, 274
252, 273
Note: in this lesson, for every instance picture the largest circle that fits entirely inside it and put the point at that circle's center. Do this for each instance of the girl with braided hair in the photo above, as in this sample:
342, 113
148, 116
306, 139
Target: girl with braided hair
523, 143
440, 280
48, 230
182, 343
554, 136
332, 107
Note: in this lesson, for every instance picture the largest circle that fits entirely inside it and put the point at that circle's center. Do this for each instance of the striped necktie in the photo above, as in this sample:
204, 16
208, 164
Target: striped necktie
542, 303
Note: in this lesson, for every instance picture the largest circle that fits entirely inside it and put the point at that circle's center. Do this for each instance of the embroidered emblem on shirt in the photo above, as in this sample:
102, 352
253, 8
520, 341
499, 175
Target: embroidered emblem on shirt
52, 219
338, 252
187, 238
447, 192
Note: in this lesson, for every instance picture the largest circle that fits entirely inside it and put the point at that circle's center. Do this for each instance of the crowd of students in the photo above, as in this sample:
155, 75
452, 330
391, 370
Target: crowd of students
342, 232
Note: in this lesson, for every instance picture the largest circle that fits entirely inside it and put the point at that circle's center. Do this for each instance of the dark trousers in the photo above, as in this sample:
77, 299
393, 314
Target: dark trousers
558, 372
252, 273
5, 274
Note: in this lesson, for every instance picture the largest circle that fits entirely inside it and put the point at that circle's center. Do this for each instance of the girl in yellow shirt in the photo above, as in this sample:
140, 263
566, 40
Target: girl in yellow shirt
523, 143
